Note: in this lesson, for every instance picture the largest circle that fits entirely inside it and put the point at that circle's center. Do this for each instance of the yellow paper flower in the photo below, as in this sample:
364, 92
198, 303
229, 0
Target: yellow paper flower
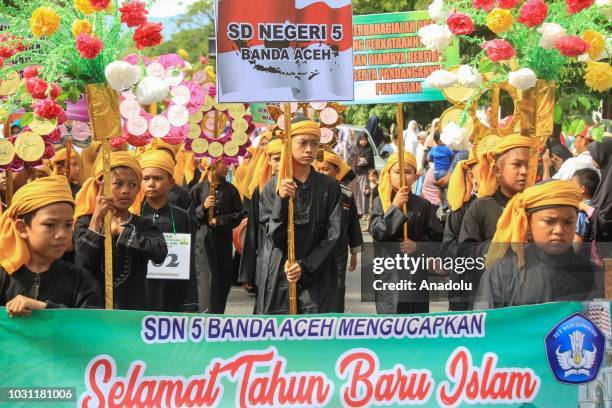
81, 26
183, 54
44, 21
596, 41
500, 20
84, 6
598, 76
210, 71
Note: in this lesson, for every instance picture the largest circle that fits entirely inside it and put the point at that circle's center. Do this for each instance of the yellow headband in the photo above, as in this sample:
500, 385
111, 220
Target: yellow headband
86, 197
39, 193
334, 159
385, 188
158, 159
513, 224
304, 127
459, 186
488, 183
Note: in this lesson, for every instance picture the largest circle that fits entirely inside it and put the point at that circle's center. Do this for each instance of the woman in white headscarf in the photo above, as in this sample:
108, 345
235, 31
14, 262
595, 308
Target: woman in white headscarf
411, 137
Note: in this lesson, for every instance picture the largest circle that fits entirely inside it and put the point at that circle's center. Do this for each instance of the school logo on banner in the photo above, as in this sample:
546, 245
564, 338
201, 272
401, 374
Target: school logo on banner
575, 350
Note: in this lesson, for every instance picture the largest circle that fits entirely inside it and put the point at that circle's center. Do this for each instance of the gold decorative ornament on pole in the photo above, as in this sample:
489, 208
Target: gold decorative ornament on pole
400, 157
105, 121
67, 161
293, 309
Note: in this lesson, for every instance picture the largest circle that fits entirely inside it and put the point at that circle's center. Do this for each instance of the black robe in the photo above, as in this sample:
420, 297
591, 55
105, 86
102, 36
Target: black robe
544, 278
213, 246
250, 261
63, 286
172, 295
388, 227
317, 218
477, 230
139, 243
457, 300
180, 197
350, 238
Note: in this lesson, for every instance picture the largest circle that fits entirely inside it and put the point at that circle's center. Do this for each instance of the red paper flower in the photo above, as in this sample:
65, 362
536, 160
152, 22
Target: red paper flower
47, 108
203, 60
483, 4
6, 52
134, 13
62, 118
574, 6
99, 4
571, 46
498, 50
460, 24
507, 4
31, 71
55, 136
148, 35
1, 62
533, 13
55, 90
89, 47
37, 88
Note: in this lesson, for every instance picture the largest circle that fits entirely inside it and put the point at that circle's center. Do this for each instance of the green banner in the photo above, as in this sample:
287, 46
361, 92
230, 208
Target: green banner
260, 113
123, 358
391, 63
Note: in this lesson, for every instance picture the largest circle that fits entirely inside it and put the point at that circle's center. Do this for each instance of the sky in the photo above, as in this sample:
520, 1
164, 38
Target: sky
169, 8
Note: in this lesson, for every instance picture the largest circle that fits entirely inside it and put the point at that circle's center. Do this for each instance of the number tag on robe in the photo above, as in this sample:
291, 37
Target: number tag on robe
177, 263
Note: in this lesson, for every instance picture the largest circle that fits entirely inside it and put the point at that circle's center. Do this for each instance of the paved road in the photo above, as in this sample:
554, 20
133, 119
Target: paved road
240, 302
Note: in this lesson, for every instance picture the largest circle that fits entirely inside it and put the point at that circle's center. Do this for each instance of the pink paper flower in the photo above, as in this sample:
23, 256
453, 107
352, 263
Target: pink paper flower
498, 50
533, 13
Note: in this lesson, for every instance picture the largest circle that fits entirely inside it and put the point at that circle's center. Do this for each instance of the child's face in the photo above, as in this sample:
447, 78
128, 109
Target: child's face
395, 176
512, 169
328, 169
363, 141
156, 183
49, 232
124, 188
220, 169
304, 149
580, 186
2, 181
274, 163
75, 169
373, 178
553, 229
474, 176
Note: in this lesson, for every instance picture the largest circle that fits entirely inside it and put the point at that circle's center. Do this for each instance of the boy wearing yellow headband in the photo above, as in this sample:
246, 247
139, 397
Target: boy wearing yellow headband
317, 215
388, 221
213, 240
58, 164
539, 226
136, 240
166, 295
35, 231
251, 260
504, 172
350, 230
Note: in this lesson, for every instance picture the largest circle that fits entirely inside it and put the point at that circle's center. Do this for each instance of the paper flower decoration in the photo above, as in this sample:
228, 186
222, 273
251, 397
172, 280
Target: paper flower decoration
574, 6
499, 20
460, 24
486, 5
441, 79
437, 10
522, 79
81, 26
596, 41
89, 47
507, 4
571, 46
44, 22
498, 50
435, 36
133, 13
121, 75
455, 137
551, 32
151, 90
533, 13
469, 77
598, 76
148, 35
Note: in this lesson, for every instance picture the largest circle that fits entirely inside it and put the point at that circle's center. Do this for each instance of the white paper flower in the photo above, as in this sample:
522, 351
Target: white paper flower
469, 77
151, 90
605, 8
441, 79
524, 78
455, 137
435, 37
437, 11
551, 32
121, 75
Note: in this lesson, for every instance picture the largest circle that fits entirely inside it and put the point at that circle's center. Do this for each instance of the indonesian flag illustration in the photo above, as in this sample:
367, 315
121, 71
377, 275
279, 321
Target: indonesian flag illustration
282, 51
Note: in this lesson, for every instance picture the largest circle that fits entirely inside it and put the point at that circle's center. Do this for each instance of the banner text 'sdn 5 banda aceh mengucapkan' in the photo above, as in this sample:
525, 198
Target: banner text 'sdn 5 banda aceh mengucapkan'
551, 355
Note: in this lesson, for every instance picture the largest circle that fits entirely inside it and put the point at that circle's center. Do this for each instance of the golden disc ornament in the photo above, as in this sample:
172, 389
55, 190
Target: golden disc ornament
199, 146
231, 148
240, 125
457, 94
196, 117
30, 147
42, 126
215, 149
194, 131
487, 143
236, 110
240, 138
7, 152
209, 103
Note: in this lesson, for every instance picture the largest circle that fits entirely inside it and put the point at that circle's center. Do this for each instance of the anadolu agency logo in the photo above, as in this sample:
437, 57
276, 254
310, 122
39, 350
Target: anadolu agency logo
575, 349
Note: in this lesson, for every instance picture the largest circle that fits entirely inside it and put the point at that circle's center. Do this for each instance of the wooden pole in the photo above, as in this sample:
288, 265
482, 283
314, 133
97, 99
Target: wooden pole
400, 157
9, 186
293, 309
153, 111
108, 237
67, 161
213, 180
